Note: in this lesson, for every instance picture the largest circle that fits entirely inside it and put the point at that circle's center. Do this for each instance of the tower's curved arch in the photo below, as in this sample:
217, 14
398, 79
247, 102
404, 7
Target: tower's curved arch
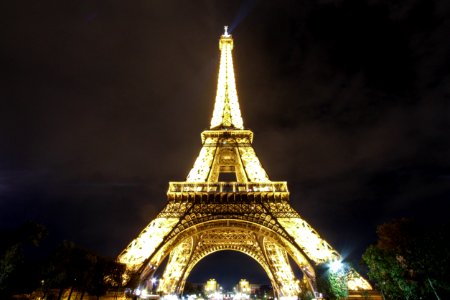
266, 246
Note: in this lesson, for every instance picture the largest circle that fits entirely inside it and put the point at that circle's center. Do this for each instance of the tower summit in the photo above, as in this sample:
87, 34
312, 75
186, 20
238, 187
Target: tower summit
227, 154
228, 202
226, 108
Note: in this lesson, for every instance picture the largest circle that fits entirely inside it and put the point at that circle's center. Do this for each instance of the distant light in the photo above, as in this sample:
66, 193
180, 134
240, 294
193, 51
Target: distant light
154, 280
288, 297
170, 297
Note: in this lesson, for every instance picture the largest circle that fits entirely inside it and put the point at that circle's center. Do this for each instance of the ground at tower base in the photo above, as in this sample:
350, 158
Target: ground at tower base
210, 290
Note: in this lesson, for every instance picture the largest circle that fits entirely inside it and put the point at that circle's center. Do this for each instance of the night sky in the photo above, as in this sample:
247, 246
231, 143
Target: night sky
103, 102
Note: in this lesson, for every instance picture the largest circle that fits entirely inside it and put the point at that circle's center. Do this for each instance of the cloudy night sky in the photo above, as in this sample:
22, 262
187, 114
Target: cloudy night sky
102, 104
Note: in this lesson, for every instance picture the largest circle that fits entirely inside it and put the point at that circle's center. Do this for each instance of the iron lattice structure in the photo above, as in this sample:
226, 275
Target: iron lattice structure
250, 214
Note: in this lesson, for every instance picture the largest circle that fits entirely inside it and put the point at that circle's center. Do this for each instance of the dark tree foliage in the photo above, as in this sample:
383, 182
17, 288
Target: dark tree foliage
410, 261
106, 274
78, 269
19, 273
69, 267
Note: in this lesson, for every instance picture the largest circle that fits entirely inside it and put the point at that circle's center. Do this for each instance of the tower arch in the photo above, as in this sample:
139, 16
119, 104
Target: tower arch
214, 249
254, 238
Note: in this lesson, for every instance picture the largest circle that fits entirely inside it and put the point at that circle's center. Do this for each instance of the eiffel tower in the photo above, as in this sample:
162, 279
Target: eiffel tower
228, 202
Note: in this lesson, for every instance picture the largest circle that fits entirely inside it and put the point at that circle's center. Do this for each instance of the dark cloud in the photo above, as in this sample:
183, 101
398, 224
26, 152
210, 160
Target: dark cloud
103, 102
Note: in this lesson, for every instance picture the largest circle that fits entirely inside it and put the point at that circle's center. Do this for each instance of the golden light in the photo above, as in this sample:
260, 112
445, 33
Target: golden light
250, 214
226, 109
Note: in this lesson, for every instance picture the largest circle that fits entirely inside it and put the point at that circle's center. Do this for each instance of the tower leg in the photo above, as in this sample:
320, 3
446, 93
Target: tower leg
277, 258
176, 266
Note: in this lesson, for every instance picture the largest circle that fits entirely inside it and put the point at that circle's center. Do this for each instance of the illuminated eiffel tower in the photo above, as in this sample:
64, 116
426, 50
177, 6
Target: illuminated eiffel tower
228, 202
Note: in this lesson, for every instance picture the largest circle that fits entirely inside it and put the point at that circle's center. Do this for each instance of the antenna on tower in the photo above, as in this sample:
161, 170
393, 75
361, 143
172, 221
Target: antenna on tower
226, 31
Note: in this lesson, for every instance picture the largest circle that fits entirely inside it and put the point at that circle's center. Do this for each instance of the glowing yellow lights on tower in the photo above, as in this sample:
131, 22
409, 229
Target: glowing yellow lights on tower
248, 213
226, 109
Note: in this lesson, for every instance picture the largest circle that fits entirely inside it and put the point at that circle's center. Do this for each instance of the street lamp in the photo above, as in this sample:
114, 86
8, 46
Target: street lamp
338, 271
336, 266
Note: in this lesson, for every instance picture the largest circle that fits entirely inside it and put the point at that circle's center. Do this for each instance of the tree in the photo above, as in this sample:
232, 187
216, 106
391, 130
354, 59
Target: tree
389, 275
332, 283
63, 267
410, 261
107, 274
82, 270
16, 273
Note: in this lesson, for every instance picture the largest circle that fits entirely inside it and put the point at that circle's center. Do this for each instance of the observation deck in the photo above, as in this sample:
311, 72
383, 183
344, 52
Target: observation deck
228, 187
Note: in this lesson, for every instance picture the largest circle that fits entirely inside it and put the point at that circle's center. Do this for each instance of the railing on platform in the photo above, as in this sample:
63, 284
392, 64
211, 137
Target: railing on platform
228, 187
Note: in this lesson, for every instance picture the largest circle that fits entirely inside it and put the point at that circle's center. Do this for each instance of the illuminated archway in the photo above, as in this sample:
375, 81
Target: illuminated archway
259, 242
227, 267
